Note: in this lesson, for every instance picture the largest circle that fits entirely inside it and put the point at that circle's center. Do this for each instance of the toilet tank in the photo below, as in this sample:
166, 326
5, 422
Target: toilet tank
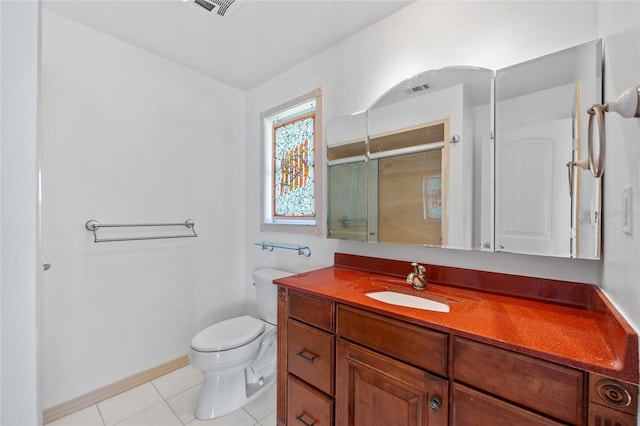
267, 292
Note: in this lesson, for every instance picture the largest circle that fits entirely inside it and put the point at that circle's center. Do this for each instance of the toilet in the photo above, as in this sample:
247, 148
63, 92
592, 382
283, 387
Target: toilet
238, 355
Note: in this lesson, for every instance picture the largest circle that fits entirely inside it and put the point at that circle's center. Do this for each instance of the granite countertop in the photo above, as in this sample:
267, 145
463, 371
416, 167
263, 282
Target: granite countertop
593, 338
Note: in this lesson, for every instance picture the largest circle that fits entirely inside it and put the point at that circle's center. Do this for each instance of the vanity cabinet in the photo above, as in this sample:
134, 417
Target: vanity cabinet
346, 366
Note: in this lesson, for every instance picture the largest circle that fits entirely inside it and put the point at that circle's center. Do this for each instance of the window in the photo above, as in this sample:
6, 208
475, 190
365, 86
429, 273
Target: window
292, 187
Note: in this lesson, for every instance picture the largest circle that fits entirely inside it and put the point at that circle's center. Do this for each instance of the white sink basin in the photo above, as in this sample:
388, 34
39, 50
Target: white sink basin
408, 301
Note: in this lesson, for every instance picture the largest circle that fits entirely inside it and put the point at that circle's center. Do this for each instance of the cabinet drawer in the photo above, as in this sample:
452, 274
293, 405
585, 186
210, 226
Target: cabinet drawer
414, 345
543, 386
307, 406
311, 310
310, 355
472, 408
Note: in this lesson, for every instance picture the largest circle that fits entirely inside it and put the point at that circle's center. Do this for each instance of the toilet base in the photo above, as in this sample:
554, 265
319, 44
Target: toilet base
222, 394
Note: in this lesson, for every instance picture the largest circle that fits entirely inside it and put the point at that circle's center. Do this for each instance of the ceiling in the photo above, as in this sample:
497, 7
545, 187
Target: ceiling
255, 41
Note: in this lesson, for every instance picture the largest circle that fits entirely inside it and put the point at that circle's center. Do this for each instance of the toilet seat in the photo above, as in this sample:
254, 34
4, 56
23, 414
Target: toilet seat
228, 334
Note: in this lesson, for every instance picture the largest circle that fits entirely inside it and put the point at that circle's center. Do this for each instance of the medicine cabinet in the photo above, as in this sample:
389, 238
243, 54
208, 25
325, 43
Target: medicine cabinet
471, 158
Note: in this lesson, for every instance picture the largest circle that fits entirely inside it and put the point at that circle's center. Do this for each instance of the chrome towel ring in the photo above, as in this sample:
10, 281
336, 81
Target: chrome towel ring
597, 111
628, 106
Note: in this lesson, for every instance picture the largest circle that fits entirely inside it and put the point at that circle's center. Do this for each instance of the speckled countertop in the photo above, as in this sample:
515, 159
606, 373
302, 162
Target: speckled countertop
593, 338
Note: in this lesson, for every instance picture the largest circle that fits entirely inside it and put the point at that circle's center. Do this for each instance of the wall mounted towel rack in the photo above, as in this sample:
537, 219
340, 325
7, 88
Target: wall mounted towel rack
302, 250
93, 226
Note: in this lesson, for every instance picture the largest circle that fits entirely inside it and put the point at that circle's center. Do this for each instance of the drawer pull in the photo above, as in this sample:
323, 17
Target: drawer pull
306, 355
299, 418
435, 403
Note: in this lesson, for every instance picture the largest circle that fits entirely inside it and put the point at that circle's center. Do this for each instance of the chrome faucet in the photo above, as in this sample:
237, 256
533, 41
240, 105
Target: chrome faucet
417, 278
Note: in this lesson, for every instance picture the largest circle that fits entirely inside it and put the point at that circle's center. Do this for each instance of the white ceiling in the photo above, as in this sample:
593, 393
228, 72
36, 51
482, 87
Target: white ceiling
255, 41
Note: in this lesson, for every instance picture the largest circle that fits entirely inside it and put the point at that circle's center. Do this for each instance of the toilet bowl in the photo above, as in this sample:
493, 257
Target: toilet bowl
238, 356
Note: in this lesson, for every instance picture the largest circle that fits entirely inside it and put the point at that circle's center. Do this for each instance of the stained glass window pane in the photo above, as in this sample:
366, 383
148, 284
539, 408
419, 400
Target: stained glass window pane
293, 169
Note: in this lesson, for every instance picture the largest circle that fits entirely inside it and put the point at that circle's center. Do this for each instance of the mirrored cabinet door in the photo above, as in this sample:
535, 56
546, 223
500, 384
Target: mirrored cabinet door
347, 178
544, 204
422, 135
347, 211
410, 204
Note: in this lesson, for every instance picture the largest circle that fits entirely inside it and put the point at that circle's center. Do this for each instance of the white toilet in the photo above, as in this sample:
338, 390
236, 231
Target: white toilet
238, 355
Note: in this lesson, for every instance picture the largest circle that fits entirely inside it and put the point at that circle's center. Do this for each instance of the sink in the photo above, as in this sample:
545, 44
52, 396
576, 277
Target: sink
408, 301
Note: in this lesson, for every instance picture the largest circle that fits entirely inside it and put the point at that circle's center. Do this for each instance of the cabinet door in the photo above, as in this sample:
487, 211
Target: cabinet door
374, 390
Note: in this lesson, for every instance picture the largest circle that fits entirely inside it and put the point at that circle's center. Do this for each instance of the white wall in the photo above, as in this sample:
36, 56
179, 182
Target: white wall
20, 263
619, 26
129, 137
424, 35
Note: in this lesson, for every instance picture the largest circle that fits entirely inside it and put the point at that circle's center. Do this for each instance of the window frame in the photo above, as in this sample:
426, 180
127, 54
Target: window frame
313, 224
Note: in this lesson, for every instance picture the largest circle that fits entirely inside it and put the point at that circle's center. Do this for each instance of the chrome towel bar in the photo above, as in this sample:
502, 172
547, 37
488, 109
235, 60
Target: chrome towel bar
302, 250
94, 225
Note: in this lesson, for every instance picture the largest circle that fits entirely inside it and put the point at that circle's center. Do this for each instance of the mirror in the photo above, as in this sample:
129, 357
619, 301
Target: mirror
425, 165
347, 177
544, 204
421, 141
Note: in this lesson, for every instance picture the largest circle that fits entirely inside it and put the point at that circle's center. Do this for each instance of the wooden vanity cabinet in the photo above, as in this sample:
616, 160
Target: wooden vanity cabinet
344, 366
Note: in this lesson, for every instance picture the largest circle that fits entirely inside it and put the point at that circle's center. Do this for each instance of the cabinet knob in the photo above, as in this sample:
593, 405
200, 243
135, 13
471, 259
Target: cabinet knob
435, 403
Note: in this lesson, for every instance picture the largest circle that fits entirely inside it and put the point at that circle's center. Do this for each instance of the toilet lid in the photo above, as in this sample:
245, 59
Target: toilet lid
227, 334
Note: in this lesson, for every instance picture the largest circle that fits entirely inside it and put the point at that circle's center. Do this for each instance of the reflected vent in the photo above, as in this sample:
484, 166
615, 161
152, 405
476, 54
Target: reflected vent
222, 7
419, 88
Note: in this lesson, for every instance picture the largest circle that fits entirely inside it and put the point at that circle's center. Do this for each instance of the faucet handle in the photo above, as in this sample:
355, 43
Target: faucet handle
418, 269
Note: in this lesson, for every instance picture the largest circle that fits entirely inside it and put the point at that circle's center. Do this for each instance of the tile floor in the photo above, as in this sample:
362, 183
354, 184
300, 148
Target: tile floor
169, 400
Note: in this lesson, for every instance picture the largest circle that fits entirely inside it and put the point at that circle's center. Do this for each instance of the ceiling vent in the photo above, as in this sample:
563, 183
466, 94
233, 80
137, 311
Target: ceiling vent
221, 7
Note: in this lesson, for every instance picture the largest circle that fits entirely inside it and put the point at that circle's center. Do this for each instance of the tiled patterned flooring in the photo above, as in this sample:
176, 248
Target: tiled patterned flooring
169, 400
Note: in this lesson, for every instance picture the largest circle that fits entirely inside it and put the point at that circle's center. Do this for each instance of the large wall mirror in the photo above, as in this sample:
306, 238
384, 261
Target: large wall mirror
469, 158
